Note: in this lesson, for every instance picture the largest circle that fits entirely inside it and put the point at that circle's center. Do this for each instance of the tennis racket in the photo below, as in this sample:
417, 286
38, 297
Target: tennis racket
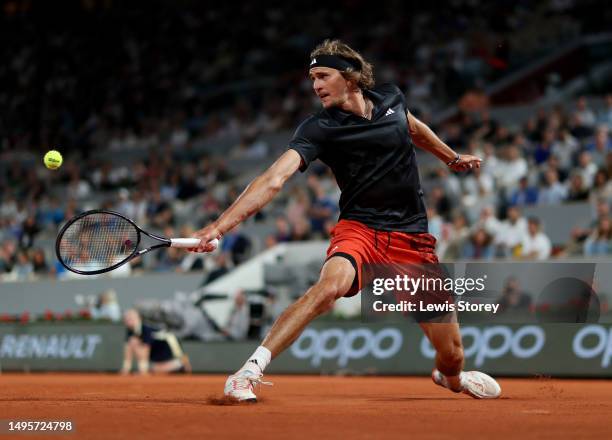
99, 241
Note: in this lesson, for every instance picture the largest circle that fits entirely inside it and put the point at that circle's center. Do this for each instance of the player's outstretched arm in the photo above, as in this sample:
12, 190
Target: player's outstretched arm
257, 195
425, 138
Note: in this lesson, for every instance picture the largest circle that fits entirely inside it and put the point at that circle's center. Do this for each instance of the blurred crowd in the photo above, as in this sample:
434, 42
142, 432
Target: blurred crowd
103, 80
117, 75
560, 156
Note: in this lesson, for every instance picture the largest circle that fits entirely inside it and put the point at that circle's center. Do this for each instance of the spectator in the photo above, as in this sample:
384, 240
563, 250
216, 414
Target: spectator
301, 230
602, 187
8, 256
51, 214
513, 230
512, 168
136, 208
282, 232
107, 307
474, 100
435, 223
600, 241
159, 211
535, 245
39, 262
440, 201
298, 205
237, 326
479, 246
23, 268
585, 117
237, 244
579, 235
449, 183
490, 162
453, 238
524, 195
552, 192
29, 231
478, 188
488, 222
601, 145
321, 209
188, 184
577, 191
565, 148
168, 259
586, 168
605, 117
513, 298
554, 163
546, 147
78, 188
220, 268
250, 148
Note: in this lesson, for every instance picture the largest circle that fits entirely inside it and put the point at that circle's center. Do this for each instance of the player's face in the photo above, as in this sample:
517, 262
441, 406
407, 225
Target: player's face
330, 86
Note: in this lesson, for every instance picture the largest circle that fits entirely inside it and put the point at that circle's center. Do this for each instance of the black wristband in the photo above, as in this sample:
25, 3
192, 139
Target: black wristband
454, 161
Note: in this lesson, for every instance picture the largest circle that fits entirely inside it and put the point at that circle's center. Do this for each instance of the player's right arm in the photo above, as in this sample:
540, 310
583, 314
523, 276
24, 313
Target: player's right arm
256, 195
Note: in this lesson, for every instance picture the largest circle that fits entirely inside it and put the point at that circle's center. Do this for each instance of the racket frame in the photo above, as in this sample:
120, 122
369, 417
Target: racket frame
165, 242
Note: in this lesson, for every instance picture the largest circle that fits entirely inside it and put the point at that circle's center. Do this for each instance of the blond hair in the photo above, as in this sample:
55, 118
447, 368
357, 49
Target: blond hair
363, 78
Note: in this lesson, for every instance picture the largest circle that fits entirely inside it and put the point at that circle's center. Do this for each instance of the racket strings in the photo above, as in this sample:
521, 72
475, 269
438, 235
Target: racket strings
97, 241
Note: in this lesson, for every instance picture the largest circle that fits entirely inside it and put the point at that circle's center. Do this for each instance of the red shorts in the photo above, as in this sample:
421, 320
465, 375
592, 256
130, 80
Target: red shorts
361, 245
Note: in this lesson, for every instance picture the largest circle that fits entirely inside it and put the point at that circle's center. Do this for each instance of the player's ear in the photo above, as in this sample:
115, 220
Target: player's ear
352, 85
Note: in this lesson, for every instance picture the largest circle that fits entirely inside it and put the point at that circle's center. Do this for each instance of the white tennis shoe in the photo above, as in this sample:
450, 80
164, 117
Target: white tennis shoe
240, 386
474, 383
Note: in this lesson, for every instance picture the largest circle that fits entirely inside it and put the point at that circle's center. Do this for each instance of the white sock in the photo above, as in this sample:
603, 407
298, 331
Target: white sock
258, 360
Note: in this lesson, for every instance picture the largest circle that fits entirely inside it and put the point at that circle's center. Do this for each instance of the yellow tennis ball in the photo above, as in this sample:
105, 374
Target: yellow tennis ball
53, 159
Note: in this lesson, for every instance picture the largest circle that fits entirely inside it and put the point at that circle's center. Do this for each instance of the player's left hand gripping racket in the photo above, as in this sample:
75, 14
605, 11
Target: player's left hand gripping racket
99, 241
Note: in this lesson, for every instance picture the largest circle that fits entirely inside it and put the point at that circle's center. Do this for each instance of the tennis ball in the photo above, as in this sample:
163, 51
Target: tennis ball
53, 159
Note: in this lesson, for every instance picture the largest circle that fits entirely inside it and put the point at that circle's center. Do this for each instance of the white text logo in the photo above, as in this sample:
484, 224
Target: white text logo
335, 343
603, 346
483, 348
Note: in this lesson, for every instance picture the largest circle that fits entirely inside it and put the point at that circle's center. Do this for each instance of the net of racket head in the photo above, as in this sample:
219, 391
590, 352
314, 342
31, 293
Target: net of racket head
97, 242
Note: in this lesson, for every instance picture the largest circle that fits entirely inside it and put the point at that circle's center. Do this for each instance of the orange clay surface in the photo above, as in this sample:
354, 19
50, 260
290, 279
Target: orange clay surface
305, 407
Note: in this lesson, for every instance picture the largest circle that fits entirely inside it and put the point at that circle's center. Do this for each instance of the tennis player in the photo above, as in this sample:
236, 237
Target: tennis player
366, 135
155, 350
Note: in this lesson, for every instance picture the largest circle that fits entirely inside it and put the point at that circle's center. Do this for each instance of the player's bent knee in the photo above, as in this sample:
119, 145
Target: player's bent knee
325, 293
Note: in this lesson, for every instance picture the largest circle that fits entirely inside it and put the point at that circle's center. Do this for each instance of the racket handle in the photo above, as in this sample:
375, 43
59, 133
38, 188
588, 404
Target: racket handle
190, 242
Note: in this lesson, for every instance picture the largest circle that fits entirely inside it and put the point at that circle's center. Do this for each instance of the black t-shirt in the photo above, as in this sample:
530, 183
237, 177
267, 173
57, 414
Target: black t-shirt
373, 160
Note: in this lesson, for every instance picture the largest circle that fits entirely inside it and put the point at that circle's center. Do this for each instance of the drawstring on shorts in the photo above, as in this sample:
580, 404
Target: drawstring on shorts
376, 239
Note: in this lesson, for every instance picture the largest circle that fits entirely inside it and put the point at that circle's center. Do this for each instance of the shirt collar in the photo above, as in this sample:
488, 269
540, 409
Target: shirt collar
341, 116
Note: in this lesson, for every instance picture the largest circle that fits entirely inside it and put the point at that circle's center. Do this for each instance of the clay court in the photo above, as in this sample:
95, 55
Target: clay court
306, 407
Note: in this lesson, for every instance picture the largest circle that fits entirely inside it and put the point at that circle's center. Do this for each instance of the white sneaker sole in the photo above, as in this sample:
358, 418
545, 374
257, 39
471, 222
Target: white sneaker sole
475, 384
480, 385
